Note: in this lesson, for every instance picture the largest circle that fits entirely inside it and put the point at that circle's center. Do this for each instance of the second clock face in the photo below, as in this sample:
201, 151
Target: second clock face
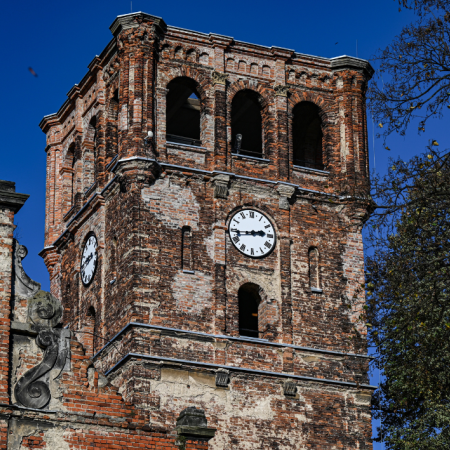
89, 260
252, 233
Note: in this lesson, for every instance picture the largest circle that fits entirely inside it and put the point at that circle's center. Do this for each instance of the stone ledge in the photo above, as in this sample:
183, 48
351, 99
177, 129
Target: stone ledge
9, 198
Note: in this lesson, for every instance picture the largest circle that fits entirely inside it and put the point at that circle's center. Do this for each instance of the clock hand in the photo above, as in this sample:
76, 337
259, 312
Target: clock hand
253, 232
87, 261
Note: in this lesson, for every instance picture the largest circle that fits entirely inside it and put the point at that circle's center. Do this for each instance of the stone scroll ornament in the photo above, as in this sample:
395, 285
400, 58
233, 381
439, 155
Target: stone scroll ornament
44, 312
24, 285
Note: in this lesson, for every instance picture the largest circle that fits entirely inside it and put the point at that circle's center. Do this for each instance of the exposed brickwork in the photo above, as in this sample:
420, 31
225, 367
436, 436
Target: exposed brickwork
160, 211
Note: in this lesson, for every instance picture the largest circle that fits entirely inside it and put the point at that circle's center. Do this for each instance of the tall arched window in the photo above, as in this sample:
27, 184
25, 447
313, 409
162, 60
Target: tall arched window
249, 300
183, 112
314, 280
307, 136
246, 124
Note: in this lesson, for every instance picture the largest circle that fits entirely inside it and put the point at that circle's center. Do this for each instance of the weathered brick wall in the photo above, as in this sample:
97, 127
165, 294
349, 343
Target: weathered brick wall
138, 196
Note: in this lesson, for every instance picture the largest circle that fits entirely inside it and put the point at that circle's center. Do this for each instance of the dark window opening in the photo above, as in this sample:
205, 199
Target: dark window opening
249, 301
90, 156
183, 112
186, 249
246, 124
90, 331
307, 136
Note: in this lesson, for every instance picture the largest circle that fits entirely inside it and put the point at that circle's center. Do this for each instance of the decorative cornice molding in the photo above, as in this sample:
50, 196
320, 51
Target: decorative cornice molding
349, 62
133, 20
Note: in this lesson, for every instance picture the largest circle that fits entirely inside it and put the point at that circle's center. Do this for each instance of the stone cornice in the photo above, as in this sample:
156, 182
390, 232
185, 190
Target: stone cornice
133, 20
9, 199
349, 62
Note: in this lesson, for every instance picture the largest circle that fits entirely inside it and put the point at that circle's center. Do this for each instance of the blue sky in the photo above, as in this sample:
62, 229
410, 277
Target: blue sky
59, 39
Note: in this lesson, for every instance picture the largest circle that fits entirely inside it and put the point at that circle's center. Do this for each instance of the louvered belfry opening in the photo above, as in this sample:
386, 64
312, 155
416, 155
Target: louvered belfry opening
307, 136
246, 121
183, 112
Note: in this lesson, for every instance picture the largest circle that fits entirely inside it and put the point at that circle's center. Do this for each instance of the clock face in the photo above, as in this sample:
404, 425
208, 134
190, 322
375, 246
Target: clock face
89, 260
252, 233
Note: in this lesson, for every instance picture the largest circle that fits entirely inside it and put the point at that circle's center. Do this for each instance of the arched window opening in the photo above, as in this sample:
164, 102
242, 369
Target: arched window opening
314, 281
186, 249
246, 124
307, 136
183, 112
249, 300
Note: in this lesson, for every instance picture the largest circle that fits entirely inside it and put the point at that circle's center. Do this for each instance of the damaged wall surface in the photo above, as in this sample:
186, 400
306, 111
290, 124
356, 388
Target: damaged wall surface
159, 328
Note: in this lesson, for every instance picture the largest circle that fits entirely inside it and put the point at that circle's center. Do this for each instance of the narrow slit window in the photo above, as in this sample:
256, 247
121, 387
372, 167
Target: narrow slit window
246, 124
112, 144
314, 281
90, 331
249, 300
183, 112
90, 154
69, 178
307, 136
186, 249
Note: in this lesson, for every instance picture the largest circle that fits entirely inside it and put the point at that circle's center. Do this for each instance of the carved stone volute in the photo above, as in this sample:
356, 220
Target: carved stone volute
44, 315
23, 286
44, 310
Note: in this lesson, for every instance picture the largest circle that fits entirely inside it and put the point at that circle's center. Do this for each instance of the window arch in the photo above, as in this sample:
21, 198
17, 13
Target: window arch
183, 112
249, 300
246, 124
314, 276
307, 136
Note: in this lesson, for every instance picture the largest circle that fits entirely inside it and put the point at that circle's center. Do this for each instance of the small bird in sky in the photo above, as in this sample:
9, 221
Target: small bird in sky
336, 43
32, 71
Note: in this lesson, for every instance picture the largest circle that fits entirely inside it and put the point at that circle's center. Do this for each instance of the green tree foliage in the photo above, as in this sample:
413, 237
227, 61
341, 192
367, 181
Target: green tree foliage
408, 287
412, 84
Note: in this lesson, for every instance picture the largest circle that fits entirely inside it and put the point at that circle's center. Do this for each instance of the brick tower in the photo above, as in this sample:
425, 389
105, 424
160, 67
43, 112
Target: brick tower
203, 235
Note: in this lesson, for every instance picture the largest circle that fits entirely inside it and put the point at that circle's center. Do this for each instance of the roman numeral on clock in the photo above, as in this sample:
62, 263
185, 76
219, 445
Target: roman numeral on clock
267, 244
252, 252
236, 239
243, 247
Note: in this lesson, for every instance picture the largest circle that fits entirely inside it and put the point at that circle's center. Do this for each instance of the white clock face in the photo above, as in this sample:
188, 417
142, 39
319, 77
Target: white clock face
89, 260
252, 233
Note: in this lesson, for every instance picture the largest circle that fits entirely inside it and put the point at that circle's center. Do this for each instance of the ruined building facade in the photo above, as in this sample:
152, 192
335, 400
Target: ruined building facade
205, 199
